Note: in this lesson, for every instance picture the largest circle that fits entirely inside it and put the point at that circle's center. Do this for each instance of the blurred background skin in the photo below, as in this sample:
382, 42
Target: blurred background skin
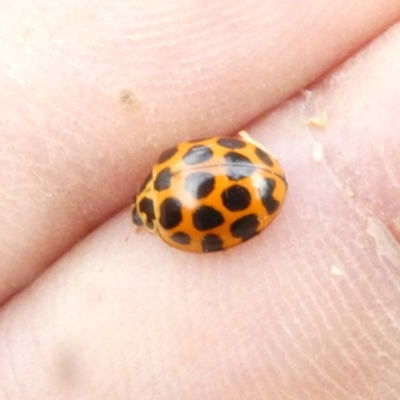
91, 92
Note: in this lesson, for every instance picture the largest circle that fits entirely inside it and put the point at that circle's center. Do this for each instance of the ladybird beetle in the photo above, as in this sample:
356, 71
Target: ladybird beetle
212, 194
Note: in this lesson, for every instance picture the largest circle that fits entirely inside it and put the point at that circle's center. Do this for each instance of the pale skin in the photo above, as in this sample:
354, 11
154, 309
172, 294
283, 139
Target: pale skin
91, 93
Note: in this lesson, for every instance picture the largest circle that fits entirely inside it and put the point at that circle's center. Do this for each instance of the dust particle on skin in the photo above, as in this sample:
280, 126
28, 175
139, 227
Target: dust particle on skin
129, 98
66, 364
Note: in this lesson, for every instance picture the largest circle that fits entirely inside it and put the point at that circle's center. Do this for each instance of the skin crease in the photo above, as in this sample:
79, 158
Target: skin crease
91, 93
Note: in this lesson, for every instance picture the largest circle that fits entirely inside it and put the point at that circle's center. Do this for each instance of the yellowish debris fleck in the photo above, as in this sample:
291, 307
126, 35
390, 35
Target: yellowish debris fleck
319, 121
348, 191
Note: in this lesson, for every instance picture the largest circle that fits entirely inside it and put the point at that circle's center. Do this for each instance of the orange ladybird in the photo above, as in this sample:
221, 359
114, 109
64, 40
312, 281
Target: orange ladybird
212, 194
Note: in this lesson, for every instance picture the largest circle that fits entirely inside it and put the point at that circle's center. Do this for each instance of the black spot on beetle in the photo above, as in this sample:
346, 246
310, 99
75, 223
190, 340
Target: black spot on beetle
163, 180
236, 198
150, 224
170, 213
238, 166
266, 190
136, 217
197, 155
200, 184
206, 217
231, 143
180, 237
167, 154
245, 227
146, 207
264, 157
211, 243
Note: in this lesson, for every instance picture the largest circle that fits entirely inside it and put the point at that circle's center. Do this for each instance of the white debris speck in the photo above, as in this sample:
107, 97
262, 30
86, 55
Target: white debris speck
336, 271
318, 152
